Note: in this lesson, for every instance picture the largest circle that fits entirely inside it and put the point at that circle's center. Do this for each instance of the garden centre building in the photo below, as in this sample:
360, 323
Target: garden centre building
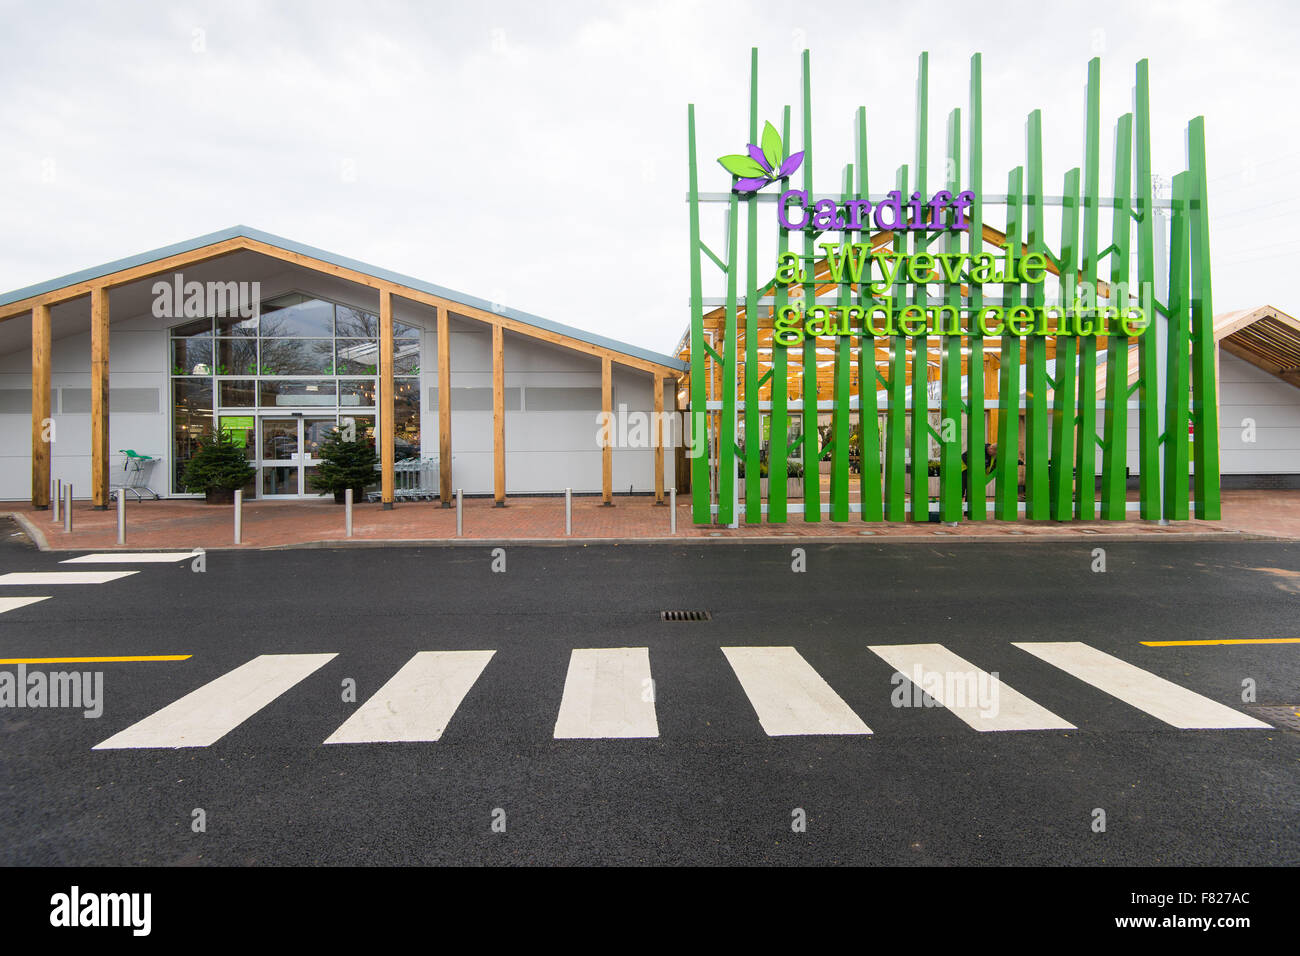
277, 343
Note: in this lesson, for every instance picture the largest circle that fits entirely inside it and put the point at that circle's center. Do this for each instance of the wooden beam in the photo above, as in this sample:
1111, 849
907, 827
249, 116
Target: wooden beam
657, 438
499, 416
99, 467
444, 408
41, 352
1232, 347
438, 302
991, 363
387, 406
607, 452
122, 277
243, 243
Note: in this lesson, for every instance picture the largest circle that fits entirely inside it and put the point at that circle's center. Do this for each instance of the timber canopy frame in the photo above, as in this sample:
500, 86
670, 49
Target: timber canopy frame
98, 281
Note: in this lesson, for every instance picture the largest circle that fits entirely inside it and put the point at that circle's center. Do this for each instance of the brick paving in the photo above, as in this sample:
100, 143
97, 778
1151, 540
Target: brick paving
185, 524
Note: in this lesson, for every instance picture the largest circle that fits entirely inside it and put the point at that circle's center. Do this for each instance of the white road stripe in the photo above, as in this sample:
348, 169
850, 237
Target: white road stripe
62, 577
417, 702
132, 557
13, 604
1156, 696
790, 697
206, 715
973, 695
608, 693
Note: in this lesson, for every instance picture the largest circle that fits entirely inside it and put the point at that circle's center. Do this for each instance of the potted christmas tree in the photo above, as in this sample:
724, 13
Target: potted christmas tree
345, 463
217, 468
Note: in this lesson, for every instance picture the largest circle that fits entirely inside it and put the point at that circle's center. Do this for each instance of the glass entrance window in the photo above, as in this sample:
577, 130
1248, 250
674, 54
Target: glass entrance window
290, 372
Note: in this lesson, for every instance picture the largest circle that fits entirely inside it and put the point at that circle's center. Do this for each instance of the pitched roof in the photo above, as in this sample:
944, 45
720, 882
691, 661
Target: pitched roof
387, 275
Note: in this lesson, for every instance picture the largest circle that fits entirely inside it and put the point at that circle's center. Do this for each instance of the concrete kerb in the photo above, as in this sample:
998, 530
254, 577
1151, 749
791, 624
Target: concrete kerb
1077, 537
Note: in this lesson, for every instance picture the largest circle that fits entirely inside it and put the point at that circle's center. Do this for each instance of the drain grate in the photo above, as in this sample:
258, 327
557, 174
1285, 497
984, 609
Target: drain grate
1286, 715
685, 616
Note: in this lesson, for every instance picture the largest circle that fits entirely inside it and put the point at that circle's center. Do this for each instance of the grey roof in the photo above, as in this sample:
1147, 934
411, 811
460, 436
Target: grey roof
388, 275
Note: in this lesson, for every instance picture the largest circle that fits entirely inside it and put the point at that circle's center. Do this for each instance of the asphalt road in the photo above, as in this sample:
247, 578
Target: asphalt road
713, 788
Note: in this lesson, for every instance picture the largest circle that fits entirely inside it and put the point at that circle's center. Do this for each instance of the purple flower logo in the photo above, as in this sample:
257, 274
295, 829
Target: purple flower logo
761, 167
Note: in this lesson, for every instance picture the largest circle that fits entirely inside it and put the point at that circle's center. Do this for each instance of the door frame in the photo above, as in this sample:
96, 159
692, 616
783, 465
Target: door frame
301, 460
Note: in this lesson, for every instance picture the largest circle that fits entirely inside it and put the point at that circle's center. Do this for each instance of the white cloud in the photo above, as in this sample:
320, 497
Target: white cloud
537, 152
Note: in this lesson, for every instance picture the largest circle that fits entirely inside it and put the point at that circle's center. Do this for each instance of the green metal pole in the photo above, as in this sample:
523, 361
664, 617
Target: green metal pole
812, 497
896, 432
1115, 444
950, 463
1205, 399
700, 495
730, 355
921, 343
1006, 484
896, 401
976, 422
1086, 437
840, 410
872, 502
753, 421
1176, 369
1148, 354
1037, 503
1062, 470
778, 442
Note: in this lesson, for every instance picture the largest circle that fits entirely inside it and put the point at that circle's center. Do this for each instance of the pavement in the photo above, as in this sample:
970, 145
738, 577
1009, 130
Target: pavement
187, 523
531, 706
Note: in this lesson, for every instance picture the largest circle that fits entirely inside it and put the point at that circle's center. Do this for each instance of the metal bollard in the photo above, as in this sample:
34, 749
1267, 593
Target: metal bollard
460, 514
347, 503
55, 498
67, 508
239, 516
121, 517
568, 511
672, 510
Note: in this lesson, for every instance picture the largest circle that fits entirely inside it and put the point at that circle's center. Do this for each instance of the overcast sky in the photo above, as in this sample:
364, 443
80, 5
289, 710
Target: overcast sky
535, 153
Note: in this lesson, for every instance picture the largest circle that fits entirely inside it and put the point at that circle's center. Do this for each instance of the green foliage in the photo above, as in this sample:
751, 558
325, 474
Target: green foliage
744, 166
344, 464
219, 463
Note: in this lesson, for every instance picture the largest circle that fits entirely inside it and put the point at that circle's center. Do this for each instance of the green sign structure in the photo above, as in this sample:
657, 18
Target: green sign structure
882, 253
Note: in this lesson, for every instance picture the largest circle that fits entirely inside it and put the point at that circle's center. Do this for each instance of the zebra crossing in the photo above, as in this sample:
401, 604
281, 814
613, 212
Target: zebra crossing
609, 693
78, 577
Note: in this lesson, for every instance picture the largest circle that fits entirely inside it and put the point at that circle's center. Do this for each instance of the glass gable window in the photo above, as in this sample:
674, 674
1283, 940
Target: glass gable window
300, 353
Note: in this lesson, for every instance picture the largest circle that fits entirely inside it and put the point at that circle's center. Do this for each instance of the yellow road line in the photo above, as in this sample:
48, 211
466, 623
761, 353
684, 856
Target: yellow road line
92, 660
1260, 640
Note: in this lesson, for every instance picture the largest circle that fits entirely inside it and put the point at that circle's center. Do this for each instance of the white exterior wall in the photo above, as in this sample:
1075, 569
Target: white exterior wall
547, 451
1246, 392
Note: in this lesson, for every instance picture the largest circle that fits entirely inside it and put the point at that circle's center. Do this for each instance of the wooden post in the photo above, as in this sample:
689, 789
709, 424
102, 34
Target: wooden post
444, 407
499, 416
387, 407
41, 351
607, 452
99, 398
657, 437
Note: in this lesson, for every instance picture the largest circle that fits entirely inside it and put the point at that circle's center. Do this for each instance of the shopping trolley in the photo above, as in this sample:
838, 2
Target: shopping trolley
414, 479
132, 475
